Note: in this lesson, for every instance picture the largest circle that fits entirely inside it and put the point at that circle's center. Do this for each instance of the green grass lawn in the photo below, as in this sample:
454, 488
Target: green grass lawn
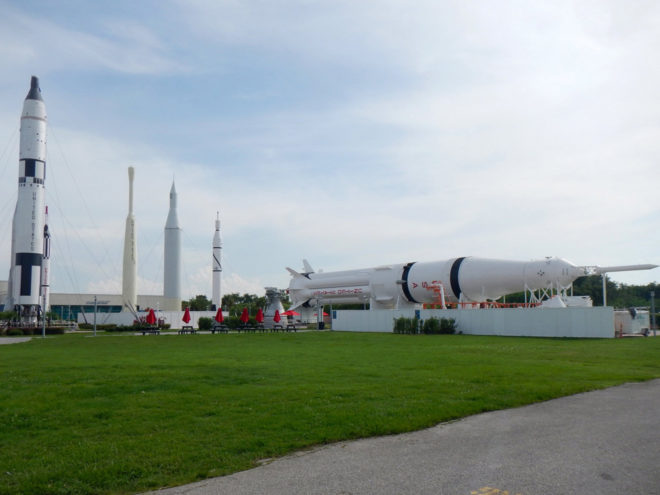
123, 414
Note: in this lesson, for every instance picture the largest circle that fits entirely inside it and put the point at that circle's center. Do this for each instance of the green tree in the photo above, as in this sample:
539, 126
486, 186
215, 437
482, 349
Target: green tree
234, 303
198, 303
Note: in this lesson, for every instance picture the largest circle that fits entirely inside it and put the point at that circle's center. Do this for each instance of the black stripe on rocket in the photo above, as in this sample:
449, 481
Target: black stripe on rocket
453, 277
30, 169
26, 261
404, 286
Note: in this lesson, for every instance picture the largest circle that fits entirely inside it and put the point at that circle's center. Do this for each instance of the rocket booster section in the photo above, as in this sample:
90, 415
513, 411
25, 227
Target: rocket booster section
466, 279
45, 267
28, 224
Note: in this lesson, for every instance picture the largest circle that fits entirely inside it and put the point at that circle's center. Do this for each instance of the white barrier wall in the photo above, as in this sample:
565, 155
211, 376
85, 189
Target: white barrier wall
595, 322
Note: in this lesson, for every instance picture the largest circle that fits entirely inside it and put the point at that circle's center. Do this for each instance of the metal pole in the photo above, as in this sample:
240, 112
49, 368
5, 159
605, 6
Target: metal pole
604, 290
95, 305
653, 311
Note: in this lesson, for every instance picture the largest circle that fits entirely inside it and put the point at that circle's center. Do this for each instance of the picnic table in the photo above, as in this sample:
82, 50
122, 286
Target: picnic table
187, 329
222, 328
151, 331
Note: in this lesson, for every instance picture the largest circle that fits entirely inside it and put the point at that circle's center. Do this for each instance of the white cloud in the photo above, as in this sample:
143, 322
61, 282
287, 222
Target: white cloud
122, 45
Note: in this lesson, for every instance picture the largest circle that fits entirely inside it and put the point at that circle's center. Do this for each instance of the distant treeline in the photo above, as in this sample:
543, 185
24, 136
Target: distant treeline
618, 295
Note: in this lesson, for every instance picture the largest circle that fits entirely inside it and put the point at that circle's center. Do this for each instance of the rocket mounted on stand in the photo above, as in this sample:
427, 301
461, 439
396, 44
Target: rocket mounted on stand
458, 280
28, 276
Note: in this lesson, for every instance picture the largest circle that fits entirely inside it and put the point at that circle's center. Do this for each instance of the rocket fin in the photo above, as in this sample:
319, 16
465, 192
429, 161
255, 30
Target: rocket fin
294, 273
308, 268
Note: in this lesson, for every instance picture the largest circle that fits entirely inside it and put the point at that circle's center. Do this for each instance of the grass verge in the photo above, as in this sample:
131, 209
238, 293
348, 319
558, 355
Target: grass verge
123, 414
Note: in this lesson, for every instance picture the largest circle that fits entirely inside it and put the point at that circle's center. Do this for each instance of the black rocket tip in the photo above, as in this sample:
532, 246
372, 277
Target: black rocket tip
35, 91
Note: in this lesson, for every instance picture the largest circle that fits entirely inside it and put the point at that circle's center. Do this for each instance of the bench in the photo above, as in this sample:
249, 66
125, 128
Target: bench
220, 328
187, 329
246, 328
276, 328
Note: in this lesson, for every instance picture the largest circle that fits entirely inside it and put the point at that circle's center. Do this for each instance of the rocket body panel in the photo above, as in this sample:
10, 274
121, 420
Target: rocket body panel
172, 257
129, 276
28, 221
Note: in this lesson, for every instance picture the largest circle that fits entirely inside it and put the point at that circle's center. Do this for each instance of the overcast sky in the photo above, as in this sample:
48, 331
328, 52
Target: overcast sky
349, 133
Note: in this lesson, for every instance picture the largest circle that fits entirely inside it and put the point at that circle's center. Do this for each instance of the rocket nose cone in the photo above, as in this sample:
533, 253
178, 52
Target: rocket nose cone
35, 91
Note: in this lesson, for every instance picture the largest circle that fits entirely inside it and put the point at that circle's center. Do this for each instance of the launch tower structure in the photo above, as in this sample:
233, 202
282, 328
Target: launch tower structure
27, 245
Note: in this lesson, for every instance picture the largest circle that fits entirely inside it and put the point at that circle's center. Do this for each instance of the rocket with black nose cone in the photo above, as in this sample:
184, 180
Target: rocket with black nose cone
27, 245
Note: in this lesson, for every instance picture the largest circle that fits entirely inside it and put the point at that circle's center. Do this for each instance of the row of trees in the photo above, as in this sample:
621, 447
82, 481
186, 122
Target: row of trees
618, 295
233, 303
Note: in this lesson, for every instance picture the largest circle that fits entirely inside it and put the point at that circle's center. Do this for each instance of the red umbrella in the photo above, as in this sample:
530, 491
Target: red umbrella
186, 315
260, 316
277, 318
218, 316
245, 317
291, 313
151, 317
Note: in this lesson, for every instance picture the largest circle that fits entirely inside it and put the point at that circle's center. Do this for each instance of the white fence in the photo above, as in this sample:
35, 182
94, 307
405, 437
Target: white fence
595, 322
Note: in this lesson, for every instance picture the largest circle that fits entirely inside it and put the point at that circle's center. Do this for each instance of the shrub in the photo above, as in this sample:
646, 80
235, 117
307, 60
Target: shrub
233, 322
13, 332
406, 325
399, 325
55, 330
204, 323
108, 327
448, 326
431, 326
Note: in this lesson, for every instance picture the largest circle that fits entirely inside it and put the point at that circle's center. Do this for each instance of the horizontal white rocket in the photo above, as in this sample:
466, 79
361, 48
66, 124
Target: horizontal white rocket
466, 279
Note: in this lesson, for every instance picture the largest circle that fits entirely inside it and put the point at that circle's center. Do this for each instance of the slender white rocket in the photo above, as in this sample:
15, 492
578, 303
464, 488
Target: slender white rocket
216, 298
28, 224
129, 279
45, 267
172, 255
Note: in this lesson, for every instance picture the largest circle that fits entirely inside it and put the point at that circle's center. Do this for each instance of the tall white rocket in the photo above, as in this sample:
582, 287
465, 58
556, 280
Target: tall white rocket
216, 298
28, 224
172, 269
129, 279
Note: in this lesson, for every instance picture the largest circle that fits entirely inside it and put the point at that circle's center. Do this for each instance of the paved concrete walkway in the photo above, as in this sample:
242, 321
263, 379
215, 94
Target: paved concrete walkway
605, 442
13, 340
